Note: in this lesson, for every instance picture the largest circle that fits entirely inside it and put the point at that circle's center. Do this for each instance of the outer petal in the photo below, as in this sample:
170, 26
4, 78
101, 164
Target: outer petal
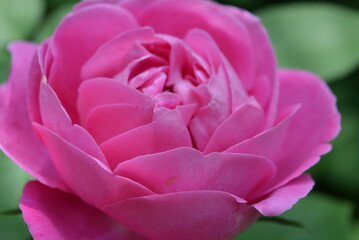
78, 36
315, 123
186, 169
91, 180
285, 197
17, 138
296, 143
247, 121
185, 216
318, 112
40, 68
56, 119
268, 144
55, 215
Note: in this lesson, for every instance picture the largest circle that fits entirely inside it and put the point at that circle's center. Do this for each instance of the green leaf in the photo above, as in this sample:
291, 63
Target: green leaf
4, 65
12, 180
13, 227
18, 18
52, 21
55, 4
284, 222
355, 234
319, 37
325, 218
246, 4
10, 212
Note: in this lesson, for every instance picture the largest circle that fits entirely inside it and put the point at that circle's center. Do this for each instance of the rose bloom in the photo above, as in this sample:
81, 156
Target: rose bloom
160, 119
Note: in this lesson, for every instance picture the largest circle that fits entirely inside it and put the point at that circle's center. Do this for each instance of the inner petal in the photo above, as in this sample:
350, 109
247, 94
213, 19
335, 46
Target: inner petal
165, 133
109, 59
108, 121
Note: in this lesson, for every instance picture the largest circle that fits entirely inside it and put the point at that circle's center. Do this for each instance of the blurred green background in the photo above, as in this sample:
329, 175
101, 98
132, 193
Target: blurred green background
319, 36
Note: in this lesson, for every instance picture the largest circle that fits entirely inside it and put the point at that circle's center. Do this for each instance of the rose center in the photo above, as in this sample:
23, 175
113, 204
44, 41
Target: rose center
164, 68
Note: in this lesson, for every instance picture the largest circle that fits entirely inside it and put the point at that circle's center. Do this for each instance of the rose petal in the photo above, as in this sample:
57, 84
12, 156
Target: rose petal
315, 123
39, 72
55, 215
152, 77
107, 121
139, 62
285, 197
136, 6
187, 111
17, 138
186, 169
176, 18
103, 91
76, 39
104, 63
89, 178
266, 84
296, 143
318, 104
204, 45
167, 132
268, 144
244, 123
45, 57
35, 76
55, 118
210, 116
181, 60
185, 216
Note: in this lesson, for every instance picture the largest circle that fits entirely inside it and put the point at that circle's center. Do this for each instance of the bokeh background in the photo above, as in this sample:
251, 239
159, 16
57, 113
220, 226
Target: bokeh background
319, 36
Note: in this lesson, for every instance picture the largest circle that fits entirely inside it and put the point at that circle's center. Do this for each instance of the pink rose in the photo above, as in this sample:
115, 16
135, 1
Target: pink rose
160, 119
